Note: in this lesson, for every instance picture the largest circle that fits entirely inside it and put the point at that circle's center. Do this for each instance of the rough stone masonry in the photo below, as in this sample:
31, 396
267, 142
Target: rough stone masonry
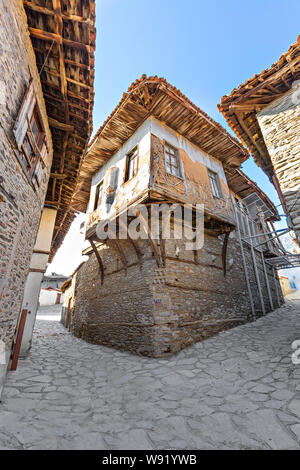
157, 311
20, 202
280, 125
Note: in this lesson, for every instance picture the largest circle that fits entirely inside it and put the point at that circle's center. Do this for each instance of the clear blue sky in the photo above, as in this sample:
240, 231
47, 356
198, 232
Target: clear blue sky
204, 48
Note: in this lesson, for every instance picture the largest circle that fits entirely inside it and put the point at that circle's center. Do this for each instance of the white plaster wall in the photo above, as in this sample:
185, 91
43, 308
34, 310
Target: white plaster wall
141, 138
30, 303
48, 297
44, 236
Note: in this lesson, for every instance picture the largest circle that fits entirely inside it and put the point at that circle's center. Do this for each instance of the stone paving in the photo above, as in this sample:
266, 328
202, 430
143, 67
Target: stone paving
237, 390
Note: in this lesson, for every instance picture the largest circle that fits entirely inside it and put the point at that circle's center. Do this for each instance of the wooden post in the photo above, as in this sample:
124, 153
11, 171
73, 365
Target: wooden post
16, 351
67, 321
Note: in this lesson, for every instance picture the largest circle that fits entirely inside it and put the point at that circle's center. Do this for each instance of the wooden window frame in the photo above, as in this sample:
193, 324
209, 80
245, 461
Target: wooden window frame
98, 200
213, 174
169, 164
29, 117
135, 152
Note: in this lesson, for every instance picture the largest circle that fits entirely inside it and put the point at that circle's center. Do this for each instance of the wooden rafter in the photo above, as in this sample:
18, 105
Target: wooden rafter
73, 40
46, 11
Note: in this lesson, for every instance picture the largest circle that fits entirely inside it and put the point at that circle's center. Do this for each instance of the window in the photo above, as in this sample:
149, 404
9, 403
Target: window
131, 164
32, 142
214, 184
172, 161
30, 136
99, 190
111, 190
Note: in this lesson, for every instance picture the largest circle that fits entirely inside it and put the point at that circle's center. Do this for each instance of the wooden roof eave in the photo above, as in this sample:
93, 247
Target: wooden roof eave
255, 94
64, 44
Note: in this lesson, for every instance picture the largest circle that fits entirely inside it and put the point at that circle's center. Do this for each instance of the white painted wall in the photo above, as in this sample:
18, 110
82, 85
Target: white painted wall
34, 278
141, 138
48, 297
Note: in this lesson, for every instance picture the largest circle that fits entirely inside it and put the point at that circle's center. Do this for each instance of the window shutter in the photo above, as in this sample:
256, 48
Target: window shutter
44, 152
38, 172
24, 113
113, 178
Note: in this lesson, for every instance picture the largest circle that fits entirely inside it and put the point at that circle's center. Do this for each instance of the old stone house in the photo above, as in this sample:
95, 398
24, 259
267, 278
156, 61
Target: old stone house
264, 112
154, 296
46, 89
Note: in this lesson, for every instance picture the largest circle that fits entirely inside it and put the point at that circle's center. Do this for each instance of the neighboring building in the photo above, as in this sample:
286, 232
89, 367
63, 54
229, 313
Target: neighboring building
264, 112
50, 296
53, 280
46, 90
154, 296
50, 293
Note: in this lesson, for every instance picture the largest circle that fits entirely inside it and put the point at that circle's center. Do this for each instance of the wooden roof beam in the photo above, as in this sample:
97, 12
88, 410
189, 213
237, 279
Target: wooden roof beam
98, 257
46, 11
250, 136
60, 125
46, 36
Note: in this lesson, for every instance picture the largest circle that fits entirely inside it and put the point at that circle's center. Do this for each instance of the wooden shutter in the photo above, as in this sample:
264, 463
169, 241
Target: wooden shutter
38, 172
25, 112
113, 178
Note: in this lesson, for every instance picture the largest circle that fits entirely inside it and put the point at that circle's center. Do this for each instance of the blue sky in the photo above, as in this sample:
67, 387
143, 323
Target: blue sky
204, 48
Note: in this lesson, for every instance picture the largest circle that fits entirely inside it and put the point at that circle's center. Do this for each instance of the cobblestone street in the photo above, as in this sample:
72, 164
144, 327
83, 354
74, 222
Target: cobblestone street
237, 390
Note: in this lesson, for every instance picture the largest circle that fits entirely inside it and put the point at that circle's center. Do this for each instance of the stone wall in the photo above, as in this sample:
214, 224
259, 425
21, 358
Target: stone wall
280, 125
158, 311
20, 203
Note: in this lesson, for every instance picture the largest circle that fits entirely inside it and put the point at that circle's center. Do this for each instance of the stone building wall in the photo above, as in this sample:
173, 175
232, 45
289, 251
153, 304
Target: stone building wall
280, 125
157, 311
20, 202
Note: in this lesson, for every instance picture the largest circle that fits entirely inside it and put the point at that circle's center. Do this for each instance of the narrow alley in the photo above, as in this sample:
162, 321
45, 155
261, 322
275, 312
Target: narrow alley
237, 390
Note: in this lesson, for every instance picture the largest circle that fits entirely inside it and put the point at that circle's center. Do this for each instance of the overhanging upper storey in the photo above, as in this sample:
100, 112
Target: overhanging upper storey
241, 107
171, 152
63, 38
153, 96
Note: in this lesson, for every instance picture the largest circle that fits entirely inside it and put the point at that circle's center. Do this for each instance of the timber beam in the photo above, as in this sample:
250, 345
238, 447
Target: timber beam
99, 259
147, 229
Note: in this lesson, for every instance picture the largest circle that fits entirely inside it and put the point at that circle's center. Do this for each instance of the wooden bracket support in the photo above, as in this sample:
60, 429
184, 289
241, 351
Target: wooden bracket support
133, 244
98, 259
121, 253
156, 251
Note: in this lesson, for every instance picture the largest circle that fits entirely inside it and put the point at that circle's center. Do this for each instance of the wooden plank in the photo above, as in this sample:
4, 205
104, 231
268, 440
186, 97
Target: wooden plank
17, 347
47, 11
60, 125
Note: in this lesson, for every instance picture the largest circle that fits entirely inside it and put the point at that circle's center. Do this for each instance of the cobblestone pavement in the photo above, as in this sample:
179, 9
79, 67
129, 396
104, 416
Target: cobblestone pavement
237, 390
